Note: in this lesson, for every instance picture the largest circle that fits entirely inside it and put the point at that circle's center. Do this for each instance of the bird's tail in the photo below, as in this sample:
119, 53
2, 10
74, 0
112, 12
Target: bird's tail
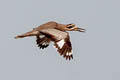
30, 33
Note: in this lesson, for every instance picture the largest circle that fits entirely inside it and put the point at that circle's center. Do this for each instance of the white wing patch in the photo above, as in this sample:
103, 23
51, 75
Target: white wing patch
64, 48
61, 43
45, 43
69, 53
42, 36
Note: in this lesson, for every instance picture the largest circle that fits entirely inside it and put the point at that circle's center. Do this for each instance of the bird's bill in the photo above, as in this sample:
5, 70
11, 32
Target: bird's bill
79, 29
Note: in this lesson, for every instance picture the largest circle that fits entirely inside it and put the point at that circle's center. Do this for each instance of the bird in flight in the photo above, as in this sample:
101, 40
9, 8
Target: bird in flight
54, 32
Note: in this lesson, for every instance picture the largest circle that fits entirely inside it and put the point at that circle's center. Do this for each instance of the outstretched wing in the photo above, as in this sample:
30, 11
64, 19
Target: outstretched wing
42, 41
64, 47
61, 42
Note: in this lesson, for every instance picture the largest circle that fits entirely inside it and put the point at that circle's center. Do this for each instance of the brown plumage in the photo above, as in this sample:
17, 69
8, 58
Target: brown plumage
55, 32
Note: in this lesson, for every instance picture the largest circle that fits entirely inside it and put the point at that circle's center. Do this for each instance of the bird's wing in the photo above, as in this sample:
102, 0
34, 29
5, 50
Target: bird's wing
42, 41
61, 41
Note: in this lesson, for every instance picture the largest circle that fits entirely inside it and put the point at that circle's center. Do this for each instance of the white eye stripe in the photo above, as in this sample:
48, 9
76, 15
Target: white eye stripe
61, 43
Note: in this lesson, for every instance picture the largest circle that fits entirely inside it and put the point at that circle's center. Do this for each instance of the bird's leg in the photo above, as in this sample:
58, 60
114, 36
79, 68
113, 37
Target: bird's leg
31, 33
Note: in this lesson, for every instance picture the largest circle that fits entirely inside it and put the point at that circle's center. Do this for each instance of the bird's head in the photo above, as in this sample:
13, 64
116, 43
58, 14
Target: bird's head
73, 27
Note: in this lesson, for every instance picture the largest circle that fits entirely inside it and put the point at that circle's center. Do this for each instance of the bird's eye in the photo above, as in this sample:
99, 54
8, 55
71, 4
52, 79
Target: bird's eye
70, 26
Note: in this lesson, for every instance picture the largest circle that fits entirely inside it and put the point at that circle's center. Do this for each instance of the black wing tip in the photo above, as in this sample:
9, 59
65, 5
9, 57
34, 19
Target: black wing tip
42, 46
70, 57
40, 42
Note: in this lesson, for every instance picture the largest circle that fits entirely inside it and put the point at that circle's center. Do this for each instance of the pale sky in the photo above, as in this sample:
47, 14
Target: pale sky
96, 52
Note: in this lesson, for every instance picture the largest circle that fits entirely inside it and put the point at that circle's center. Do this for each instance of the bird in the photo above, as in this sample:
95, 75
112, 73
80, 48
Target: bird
54, 32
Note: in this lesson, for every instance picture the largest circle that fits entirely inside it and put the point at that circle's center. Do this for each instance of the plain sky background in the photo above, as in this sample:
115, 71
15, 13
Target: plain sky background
96, 52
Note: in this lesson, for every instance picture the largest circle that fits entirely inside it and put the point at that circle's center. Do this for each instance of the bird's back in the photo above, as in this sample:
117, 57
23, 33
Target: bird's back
47, 25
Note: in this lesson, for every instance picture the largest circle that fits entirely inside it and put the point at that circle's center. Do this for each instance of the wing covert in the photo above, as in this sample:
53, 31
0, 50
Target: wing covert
61, 41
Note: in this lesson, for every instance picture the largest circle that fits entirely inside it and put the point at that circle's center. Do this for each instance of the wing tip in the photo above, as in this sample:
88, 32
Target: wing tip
68, 57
